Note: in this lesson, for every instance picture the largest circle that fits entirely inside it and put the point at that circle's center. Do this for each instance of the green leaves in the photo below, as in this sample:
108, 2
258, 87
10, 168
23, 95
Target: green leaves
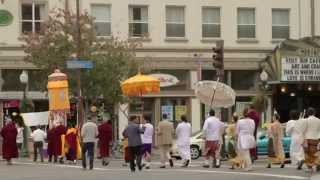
114, 59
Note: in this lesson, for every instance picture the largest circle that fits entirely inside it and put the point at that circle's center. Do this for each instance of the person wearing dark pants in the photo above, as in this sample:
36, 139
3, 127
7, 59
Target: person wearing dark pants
87, 148
135, 153
89, 133
38, 148
133, 132
38, 137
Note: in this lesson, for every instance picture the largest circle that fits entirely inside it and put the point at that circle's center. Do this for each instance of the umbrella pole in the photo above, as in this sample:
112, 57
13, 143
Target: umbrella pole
214, 93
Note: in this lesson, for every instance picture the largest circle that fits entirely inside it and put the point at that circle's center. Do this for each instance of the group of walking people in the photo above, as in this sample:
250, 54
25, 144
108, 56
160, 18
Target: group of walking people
142, 136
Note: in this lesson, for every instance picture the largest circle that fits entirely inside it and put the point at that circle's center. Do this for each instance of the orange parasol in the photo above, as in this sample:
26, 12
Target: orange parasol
140, 84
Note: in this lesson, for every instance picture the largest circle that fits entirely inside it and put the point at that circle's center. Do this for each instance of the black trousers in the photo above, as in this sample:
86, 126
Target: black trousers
135, 154
37, 146
87, 147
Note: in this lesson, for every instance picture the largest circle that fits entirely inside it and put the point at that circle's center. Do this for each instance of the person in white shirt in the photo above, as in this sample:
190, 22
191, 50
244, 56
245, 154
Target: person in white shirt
310, 128
245, 134
38, 137
296, 148
212, 131
183, 132
147, 138
19, 139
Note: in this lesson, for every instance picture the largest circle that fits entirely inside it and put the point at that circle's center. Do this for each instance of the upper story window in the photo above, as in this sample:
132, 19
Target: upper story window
175, 21
211, 22
102, 22
32, 17
280, 24
246, 23
138, 21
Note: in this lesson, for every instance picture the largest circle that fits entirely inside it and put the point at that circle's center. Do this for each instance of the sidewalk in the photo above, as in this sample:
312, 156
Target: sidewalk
316, 177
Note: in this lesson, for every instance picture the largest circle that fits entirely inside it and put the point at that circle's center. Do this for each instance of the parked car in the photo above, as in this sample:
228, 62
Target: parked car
262, 143
197, 144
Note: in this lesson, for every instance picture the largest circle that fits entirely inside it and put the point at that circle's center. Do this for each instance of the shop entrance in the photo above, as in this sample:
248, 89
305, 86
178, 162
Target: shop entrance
298, 97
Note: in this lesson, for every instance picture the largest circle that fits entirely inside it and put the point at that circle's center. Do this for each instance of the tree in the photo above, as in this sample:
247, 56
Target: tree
114, 59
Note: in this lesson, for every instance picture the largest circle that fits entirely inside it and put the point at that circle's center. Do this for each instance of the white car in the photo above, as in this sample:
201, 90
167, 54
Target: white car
196, 147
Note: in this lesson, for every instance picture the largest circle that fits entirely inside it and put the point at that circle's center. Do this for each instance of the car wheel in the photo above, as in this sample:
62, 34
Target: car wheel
195, 152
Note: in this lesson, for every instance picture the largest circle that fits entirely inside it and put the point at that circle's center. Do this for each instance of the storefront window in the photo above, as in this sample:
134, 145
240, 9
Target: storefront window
11, 80
243, 80
173, 108
211, 75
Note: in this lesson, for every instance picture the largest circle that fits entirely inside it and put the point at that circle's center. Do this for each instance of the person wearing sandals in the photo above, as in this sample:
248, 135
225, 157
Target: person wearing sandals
183, 132
275, 147
245, 139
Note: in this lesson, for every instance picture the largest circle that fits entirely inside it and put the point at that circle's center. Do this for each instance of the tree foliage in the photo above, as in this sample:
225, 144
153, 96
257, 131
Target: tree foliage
114, 59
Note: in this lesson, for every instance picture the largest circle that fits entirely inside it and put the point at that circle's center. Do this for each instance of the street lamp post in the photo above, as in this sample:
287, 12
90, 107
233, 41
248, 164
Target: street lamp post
264, 86
24, 79
80, 100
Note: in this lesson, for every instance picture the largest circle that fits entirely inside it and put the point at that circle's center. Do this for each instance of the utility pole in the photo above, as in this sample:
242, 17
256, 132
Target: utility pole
80, 99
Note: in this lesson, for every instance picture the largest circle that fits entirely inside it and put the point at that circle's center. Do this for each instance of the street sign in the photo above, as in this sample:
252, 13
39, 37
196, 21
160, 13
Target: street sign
79, 64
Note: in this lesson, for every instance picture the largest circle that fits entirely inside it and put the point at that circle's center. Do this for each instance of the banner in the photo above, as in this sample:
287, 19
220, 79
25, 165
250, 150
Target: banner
180, 110
35, 118
168, 110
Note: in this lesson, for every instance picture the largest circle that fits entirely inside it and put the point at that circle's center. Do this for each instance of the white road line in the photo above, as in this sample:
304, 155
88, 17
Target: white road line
180, 170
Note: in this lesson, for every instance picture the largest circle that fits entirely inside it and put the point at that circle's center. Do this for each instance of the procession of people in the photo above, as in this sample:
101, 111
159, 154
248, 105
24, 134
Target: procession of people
65, 143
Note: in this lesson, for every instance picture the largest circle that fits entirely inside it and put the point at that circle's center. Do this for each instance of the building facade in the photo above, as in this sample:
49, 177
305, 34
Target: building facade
177, 36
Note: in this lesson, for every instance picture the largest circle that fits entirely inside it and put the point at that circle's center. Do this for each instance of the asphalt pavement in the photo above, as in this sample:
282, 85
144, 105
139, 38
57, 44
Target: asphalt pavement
25, 169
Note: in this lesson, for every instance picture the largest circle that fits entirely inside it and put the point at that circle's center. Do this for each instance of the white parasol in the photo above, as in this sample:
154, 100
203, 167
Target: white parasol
215, 94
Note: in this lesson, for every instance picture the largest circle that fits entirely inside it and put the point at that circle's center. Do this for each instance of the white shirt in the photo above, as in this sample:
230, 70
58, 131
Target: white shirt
19, 135
213, 129
148, 134
245, 129
38, 135
183, 133
310, 128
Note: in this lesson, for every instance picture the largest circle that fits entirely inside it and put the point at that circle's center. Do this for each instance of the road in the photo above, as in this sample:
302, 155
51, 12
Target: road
27, 170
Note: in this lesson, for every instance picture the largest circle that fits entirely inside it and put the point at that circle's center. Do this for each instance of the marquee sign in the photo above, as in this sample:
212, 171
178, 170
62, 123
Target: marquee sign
6, 17
301, 68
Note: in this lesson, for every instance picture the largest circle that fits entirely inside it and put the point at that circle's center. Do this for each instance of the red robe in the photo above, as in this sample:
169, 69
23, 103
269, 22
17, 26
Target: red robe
51, 143
71, 143
105, 137
58, 132
9, 147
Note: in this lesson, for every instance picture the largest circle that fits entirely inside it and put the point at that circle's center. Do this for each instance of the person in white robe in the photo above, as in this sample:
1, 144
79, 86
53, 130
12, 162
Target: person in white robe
246, 140
183, 132
296, 146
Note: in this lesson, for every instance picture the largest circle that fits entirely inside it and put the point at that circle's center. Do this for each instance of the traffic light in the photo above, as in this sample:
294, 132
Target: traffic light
218, 56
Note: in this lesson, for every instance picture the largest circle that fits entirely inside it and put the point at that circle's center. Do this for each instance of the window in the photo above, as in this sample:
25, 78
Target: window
211, 22
175, 23
138, 21
280, 24
102, 22
32, 15
243, 79
246, 23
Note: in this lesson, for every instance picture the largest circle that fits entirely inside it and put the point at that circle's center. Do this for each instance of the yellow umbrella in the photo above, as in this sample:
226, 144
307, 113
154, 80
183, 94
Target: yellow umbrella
140, 84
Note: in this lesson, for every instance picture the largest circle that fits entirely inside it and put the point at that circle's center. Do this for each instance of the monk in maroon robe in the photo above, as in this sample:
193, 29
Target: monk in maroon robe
51, 143
105, 137
9, 146
254, 115
72, 144
57, 136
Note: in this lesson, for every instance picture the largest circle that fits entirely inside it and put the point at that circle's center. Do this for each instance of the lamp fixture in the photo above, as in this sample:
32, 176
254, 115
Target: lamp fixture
309, 88
283, 89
